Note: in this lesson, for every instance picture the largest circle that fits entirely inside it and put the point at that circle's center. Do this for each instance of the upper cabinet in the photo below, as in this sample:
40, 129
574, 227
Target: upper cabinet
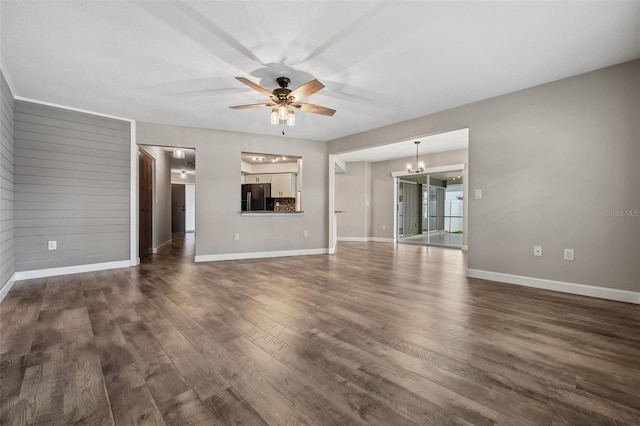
283, 185
257, 179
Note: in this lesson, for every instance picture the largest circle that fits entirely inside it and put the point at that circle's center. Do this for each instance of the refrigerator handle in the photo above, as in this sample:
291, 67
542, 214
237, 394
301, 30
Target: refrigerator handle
248, 201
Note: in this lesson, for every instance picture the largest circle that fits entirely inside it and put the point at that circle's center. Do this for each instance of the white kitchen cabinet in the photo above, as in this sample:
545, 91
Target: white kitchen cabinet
257, 179
283, 185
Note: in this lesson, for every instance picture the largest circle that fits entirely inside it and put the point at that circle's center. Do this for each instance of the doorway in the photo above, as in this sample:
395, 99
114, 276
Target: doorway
145, 191
429, 209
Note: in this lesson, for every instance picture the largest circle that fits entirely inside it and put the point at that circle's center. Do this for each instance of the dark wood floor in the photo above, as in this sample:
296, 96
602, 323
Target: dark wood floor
376, 334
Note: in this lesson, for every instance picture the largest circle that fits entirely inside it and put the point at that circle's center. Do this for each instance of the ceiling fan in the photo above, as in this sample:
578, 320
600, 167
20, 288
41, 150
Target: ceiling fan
284, 99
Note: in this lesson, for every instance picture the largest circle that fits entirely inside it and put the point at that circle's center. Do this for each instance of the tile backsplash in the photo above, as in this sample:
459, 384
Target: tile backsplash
284, 204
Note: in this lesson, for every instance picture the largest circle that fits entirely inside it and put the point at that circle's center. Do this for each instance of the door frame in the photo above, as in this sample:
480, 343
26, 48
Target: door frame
144, 153
427, 171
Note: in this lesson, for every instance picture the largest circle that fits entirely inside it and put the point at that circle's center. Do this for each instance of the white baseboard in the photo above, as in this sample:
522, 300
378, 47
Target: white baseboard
382, 240
259, 255
161, 246
564, 287
67, 270
365, 239
7, 286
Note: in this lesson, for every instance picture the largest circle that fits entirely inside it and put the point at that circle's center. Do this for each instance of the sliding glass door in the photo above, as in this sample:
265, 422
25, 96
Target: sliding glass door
430, 209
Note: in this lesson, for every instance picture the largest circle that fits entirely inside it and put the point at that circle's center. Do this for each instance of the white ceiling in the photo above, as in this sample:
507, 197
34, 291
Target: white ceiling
457, 139
381, 62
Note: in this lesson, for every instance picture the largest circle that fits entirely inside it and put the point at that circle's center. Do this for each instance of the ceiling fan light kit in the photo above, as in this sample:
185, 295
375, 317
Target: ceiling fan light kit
283, 100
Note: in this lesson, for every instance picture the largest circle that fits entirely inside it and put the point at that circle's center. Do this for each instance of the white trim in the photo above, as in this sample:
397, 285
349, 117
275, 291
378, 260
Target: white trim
366, 239
7, 286
395, 210
259, 255
465, 247
353, 239
133, 200
161, 246
67, 270
51, 104
431, 170
564, 287
340, 163
382, 240
331, 213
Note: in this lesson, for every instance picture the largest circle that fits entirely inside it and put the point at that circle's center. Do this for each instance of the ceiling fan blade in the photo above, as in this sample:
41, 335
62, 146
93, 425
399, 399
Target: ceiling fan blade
255, 87
268, 104
305, 90
315, 109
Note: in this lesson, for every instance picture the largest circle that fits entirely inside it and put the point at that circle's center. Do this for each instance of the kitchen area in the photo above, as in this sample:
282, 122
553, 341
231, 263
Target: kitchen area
270, 183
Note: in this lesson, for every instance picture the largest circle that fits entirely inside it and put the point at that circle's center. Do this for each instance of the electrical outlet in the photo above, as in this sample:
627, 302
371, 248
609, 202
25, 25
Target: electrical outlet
568, 254
537, 250
305, 233
478, 194
236, 236
53, 245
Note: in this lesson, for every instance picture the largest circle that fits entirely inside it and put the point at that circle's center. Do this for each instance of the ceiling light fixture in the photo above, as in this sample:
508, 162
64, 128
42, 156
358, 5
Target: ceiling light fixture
183, 174
282, 115
420, 164
178, 153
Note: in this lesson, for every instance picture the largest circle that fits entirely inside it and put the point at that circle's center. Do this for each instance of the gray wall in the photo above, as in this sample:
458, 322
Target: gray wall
353, 198
218, 190
382, 185
161, 227
551, 161
72, 185
7, 194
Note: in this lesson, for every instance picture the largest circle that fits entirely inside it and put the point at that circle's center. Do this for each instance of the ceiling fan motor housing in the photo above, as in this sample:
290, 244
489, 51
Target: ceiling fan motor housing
282, 93
283, 82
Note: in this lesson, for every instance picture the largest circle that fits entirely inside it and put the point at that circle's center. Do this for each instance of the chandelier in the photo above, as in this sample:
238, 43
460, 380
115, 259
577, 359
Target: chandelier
419, 164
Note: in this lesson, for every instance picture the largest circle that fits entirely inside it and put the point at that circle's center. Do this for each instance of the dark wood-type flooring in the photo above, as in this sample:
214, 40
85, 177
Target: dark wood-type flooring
376, 334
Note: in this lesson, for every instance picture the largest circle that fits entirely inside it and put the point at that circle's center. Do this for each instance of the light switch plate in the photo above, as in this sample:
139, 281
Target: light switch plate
53, 245
478, 194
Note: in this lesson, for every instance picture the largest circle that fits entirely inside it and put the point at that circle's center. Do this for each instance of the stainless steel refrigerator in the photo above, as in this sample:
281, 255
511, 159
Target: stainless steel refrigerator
255, 195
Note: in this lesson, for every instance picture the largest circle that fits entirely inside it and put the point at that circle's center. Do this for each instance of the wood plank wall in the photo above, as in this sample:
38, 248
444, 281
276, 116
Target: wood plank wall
7, 249
72, 186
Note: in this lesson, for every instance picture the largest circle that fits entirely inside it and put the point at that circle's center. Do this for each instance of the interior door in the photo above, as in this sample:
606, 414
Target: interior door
178, 202
145, 182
